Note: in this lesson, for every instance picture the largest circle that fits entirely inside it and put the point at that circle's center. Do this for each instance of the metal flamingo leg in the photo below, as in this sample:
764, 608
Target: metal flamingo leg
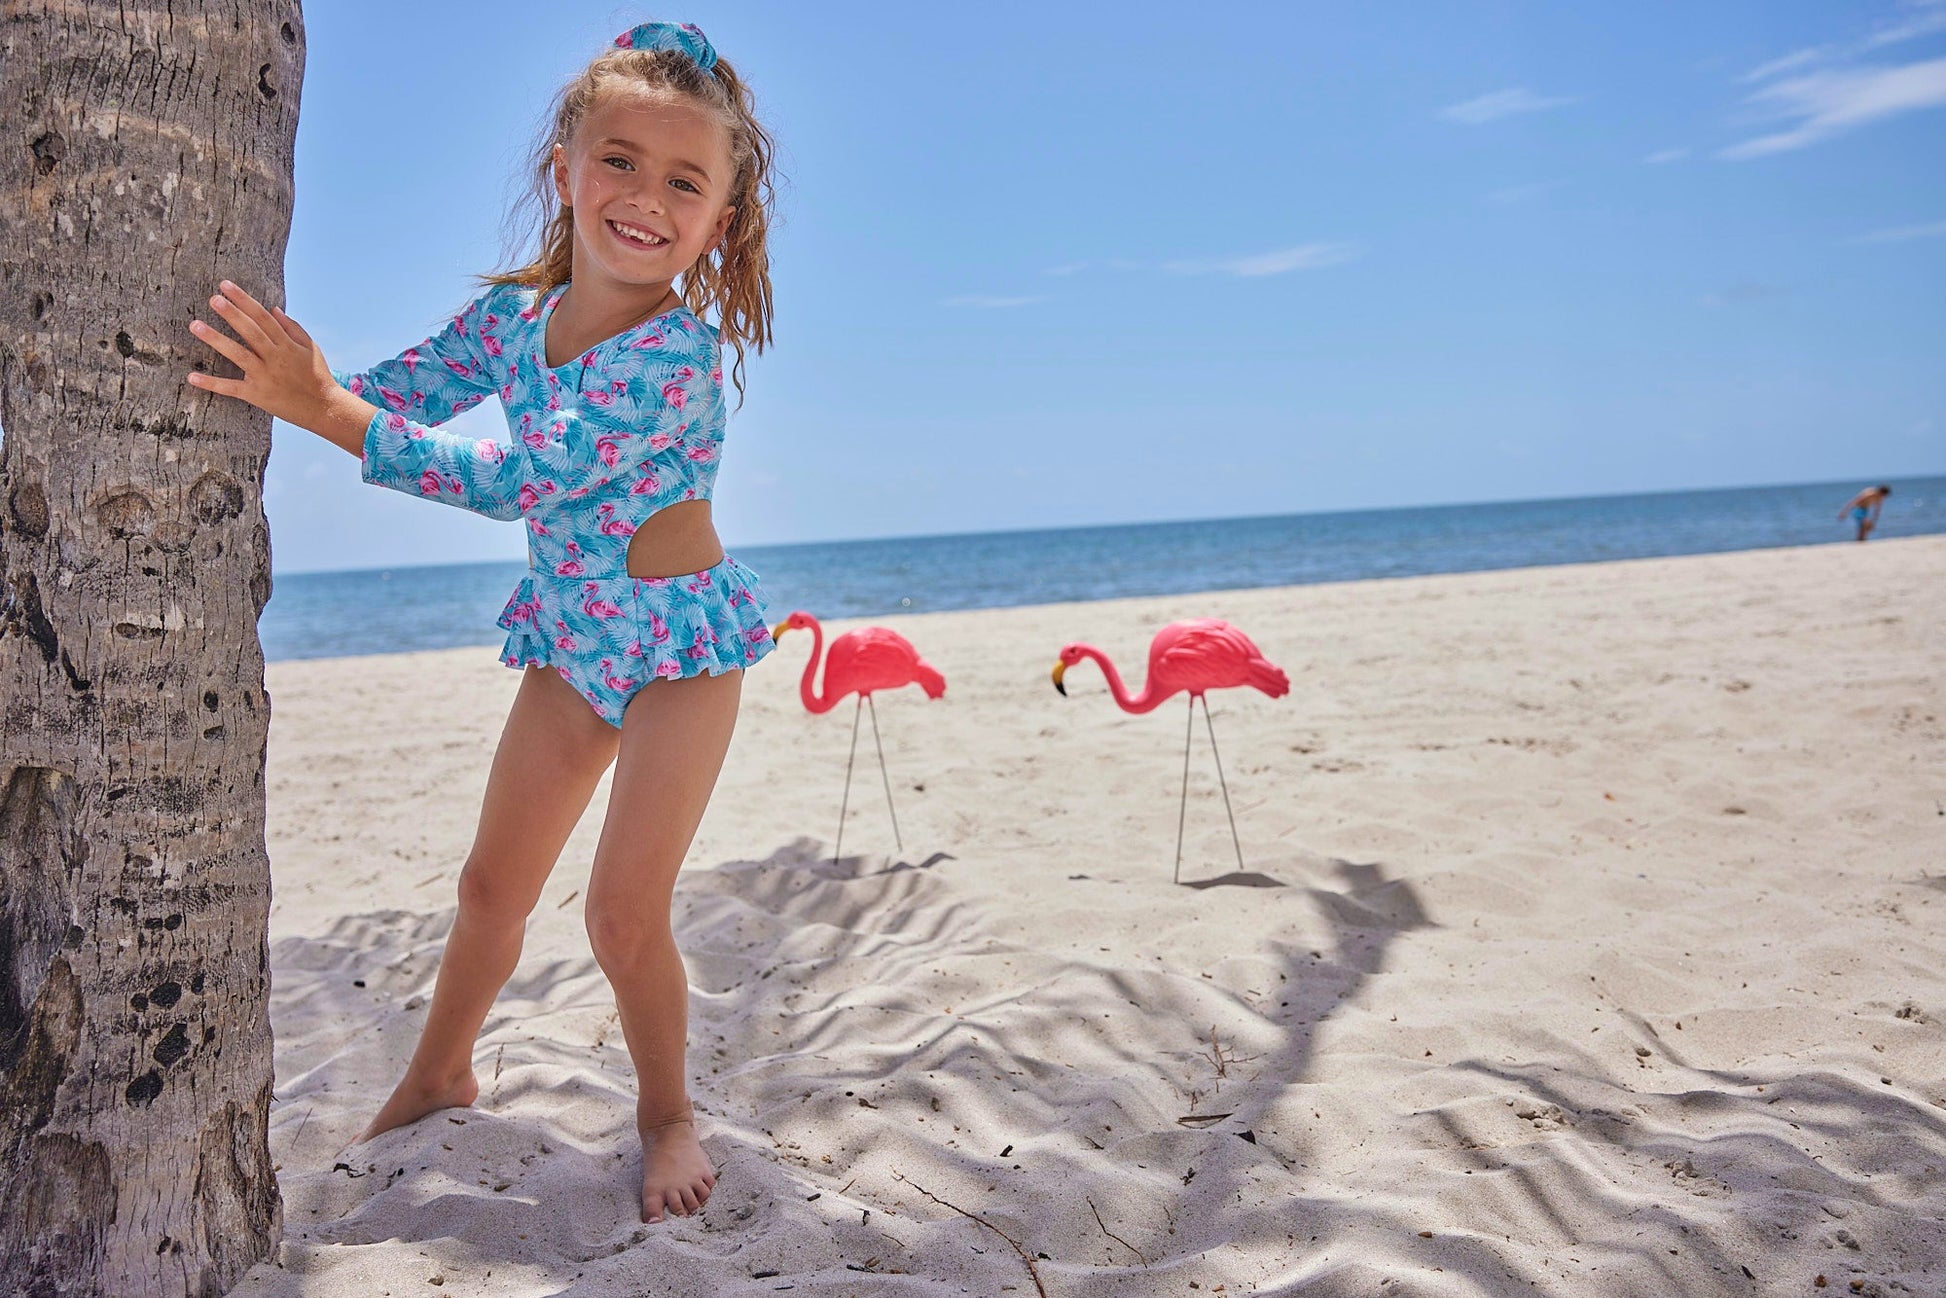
1226, 787
885, 775
845, 801
1182, 810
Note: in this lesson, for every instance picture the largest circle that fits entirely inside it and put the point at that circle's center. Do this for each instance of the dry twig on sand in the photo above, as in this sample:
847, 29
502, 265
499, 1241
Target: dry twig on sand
1220, 1058
1112, 1235
1217, 1059
1025, 1256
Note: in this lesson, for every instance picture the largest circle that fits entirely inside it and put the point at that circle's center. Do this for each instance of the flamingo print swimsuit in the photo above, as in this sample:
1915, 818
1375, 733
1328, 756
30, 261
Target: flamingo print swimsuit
633, 424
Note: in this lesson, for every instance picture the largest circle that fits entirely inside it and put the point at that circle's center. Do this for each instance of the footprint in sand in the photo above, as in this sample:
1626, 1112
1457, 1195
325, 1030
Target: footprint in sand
1545, 1117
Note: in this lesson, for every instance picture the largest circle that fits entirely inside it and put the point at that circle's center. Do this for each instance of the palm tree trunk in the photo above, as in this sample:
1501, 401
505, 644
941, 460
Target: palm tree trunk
147, 153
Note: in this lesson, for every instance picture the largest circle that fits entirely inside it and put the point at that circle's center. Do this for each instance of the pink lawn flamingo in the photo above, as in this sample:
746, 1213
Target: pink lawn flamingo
861, 661
1201, 654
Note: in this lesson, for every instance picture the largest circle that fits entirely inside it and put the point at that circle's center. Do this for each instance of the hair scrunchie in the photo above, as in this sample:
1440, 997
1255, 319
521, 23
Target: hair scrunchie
684, 38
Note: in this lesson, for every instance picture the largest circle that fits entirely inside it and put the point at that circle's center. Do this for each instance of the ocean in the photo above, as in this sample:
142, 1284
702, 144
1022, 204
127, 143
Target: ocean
334, 614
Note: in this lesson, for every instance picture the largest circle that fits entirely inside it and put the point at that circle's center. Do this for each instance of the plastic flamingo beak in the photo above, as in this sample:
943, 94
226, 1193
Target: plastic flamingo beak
777, 632
1059, 670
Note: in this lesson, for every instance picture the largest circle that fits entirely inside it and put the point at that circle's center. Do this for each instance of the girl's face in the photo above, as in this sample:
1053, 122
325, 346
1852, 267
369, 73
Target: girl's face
648, 179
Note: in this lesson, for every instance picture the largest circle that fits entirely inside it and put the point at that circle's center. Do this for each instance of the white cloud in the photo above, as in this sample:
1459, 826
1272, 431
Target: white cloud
996, 303
1661, 156
1831, 103
1928, 17
1901, 233
1308, 256
1305, 256
1499, 104
1788, 63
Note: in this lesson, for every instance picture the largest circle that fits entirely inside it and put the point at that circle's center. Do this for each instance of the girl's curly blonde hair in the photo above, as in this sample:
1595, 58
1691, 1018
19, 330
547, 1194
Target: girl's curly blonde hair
735, 278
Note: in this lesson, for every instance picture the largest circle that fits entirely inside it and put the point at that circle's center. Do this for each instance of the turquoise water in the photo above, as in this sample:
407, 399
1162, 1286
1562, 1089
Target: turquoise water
318, 615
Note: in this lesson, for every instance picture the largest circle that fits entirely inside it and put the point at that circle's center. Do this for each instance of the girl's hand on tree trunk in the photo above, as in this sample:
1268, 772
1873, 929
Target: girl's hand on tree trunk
285, 375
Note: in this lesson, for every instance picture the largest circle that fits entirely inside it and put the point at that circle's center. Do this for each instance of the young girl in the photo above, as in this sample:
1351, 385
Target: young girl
632, 627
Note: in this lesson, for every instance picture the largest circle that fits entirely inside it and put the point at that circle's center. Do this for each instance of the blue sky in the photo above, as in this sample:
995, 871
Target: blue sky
1045, 264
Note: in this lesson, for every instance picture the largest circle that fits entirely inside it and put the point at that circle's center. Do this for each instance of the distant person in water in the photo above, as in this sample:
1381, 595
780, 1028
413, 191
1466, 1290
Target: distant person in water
1864, 508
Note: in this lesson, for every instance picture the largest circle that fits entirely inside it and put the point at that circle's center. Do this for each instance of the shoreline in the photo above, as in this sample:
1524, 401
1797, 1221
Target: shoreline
1213, 592
1595, 951
1837, 487
427, 607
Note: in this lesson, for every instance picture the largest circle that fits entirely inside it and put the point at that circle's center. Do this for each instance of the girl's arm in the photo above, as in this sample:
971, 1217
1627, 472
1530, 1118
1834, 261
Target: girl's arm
285, 375
283, 372
427, 385
437, 379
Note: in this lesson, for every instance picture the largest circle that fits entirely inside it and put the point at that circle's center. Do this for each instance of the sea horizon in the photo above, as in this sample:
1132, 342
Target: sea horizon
1854, 485
402, 608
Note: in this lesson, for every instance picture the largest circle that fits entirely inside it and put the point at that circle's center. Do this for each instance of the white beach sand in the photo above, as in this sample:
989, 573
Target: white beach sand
1606, 959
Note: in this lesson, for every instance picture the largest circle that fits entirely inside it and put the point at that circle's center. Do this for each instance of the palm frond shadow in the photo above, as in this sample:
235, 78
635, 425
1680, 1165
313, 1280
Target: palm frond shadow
772, 941
863, 1031
925, 1078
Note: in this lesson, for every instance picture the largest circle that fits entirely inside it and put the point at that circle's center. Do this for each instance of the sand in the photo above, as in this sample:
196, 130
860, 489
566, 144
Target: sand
1589, 944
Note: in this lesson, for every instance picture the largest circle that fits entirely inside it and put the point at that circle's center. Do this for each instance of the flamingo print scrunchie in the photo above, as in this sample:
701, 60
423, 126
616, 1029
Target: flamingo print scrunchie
685, 38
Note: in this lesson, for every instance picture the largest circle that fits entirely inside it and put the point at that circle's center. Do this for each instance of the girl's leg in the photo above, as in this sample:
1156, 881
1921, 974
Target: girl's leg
551, 756
674, 738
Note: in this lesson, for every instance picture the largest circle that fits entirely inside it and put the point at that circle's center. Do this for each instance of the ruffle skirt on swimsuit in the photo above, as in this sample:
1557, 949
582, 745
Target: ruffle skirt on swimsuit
609, 636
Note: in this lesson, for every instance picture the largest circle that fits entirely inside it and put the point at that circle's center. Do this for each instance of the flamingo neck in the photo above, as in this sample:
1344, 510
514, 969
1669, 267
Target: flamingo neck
1138, 703
805, 688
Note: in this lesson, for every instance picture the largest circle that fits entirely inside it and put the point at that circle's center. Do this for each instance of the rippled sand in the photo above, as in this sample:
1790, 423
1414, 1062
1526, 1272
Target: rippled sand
1590, 944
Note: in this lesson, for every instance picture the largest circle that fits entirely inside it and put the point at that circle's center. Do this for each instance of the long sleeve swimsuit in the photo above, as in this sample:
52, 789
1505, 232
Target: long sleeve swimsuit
630, 426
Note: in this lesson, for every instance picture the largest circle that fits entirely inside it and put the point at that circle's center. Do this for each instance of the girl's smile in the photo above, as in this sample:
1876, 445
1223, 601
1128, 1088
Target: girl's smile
647, 179
636, 234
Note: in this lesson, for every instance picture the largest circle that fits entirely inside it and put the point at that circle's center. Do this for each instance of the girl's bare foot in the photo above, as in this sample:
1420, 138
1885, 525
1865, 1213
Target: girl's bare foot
676, 1174
414, 1098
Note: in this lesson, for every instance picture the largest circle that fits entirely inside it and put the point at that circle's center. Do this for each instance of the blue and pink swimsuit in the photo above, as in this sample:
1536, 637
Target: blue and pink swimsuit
632, 425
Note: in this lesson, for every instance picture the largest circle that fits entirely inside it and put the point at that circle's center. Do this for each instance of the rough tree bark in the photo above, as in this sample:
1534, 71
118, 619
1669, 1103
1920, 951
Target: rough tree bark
145, 153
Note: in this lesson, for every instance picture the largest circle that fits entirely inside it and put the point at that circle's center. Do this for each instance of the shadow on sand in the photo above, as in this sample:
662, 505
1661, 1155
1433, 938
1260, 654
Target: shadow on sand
891, 1085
